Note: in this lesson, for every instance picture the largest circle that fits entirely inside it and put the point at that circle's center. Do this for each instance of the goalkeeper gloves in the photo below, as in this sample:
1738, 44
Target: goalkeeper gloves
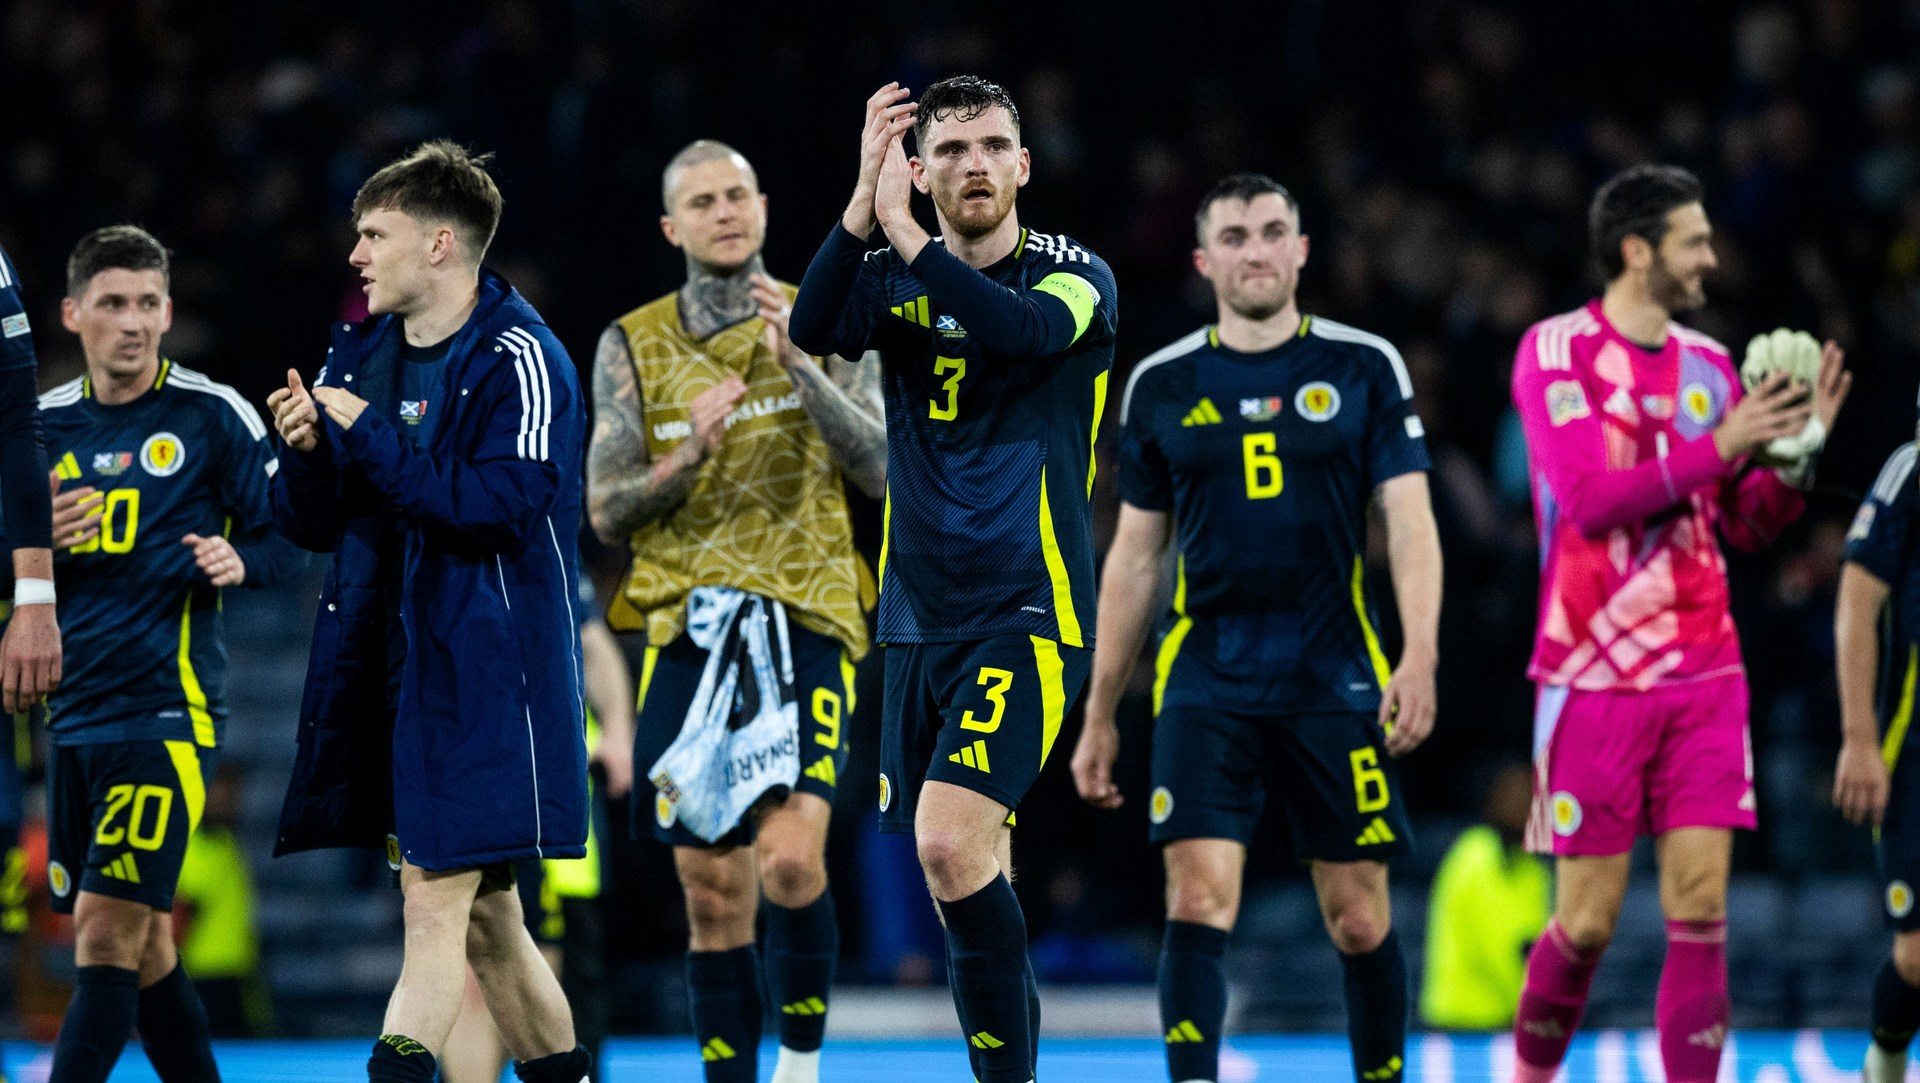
1797, 354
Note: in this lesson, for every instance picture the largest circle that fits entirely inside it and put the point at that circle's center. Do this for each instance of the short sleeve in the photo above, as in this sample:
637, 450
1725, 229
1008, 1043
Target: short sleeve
16, 331
1396, 440
1146, 480
1877, 541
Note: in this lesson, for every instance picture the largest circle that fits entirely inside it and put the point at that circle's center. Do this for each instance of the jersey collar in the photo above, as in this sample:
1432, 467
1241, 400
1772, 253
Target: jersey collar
159, 379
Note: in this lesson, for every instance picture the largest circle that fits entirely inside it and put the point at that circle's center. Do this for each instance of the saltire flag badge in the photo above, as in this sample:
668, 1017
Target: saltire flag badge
412, 412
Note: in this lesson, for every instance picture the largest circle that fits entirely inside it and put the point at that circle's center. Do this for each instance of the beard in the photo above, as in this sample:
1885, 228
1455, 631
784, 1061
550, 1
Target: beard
1259, 303
971, 221
1671, 292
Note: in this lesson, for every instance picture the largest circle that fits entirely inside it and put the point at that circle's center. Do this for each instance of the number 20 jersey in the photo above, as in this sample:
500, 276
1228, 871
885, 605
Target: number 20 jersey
1267, 462
139, 620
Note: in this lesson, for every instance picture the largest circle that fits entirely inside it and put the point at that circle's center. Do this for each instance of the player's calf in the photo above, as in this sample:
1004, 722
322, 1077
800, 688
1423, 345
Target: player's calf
523, 995
723, 971
803, 932
1355, 908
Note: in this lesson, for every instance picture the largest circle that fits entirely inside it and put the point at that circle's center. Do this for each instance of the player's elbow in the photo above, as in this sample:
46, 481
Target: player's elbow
810, 327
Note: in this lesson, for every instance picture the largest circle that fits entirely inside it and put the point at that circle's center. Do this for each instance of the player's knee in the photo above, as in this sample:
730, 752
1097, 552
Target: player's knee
432, 915
717, 903
1701, 897
1588, 930
1202, 901
1906, 957
792, 879
954, 867
111, 939
487, 939
1358, 929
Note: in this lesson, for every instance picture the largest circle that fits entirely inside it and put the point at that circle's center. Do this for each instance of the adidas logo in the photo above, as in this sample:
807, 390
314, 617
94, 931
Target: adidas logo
122, 868
823, 771
1376, 833
809, 1006
1184, 1032
983, 1040
1206, 413
974, 756
1390, 1071
716, 1049
1713, 1037
914, 311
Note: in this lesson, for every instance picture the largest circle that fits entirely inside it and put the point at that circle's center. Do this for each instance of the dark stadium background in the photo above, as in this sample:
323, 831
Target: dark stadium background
1443, 152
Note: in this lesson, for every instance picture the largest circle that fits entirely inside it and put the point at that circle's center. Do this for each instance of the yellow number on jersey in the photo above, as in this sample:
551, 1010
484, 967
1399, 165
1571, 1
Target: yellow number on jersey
951, 409
997, 682
119, 523
826, 711
146, 825
1264, 479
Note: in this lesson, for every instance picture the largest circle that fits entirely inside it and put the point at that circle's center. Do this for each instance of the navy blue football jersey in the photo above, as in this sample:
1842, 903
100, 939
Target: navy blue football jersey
140, 622
1882, 540
987, 528
1267, 463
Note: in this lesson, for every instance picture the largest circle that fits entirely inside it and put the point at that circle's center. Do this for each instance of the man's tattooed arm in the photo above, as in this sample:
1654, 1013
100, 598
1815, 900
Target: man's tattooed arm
843, 398
624, 491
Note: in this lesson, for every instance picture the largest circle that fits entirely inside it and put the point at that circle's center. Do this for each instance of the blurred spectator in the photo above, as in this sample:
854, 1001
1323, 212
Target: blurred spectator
1489, 903
213, 916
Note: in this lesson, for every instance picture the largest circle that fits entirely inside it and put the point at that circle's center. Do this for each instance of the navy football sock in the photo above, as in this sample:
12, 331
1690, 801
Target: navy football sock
723, 994
802, 946
1377, 1011
987, 935
1193, 998
573, 1066
1896, 1010
98, 1022
399, 1059
175, 1032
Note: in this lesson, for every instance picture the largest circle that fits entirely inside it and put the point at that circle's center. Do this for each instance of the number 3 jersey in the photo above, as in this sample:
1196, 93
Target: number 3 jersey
1267, 462
140, 623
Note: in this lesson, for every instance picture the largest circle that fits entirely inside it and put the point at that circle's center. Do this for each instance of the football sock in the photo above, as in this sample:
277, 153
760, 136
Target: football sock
1376, 984
174, 1031
966, 1019
801, 948
1033, 1012
1559, 976
98, 1022
399, 1059
1193, 998
1896, 1010
987, 938
723, 993
1692, 1008
573, 1066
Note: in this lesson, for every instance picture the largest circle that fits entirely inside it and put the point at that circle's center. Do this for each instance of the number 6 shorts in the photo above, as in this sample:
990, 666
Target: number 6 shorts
981, 714
1215, 769
119, 816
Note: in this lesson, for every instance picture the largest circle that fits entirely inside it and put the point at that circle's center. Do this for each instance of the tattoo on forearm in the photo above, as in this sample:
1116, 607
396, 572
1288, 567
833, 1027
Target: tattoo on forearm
843, 398
712, 301
624, 491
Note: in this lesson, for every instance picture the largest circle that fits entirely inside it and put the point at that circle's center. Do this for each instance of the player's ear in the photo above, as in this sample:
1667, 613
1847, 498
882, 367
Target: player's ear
1200, 261
1024, 169
70, 314
166, 314
919, 170
666, 230
440, 245
1635, 253
1304, 246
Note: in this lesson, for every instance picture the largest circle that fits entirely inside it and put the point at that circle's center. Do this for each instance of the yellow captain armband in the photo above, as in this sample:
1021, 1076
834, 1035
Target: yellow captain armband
1078, 294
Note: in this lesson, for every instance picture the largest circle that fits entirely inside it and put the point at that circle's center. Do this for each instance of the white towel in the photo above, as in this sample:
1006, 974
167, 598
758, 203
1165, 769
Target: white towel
741, 739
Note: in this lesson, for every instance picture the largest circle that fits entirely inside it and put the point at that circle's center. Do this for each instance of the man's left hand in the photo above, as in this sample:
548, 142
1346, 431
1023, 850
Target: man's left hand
1408, 706
775, 312
344, 407
217, 559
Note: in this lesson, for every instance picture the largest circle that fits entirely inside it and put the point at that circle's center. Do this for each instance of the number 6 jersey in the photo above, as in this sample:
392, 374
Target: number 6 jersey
1267, 462
139, 620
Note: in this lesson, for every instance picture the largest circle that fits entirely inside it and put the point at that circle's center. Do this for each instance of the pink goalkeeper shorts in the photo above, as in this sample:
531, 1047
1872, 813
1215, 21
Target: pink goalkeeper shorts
1610, 766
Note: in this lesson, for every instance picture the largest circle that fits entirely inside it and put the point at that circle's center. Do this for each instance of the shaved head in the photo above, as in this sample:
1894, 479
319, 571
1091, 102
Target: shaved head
699, 152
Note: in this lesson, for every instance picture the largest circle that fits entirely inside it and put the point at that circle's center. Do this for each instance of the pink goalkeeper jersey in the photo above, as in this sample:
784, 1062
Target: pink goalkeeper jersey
1628, 490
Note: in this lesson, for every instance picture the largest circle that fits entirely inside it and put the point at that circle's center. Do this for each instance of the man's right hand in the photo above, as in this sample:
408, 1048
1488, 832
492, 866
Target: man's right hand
1860, 782
1093, 757
295, 417
888, 117
1776, 407
76, 513
710, 410
29, 657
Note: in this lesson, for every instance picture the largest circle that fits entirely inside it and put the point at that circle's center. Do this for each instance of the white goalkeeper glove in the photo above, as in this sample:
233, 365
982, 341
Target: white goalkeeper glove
1797, 354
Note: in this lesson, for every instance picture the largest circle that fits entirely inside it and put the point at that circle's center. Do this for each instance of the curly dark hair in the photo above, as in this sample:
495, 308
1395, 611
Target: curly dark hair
1635, 203
125, 248
1243, 187
962, 97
